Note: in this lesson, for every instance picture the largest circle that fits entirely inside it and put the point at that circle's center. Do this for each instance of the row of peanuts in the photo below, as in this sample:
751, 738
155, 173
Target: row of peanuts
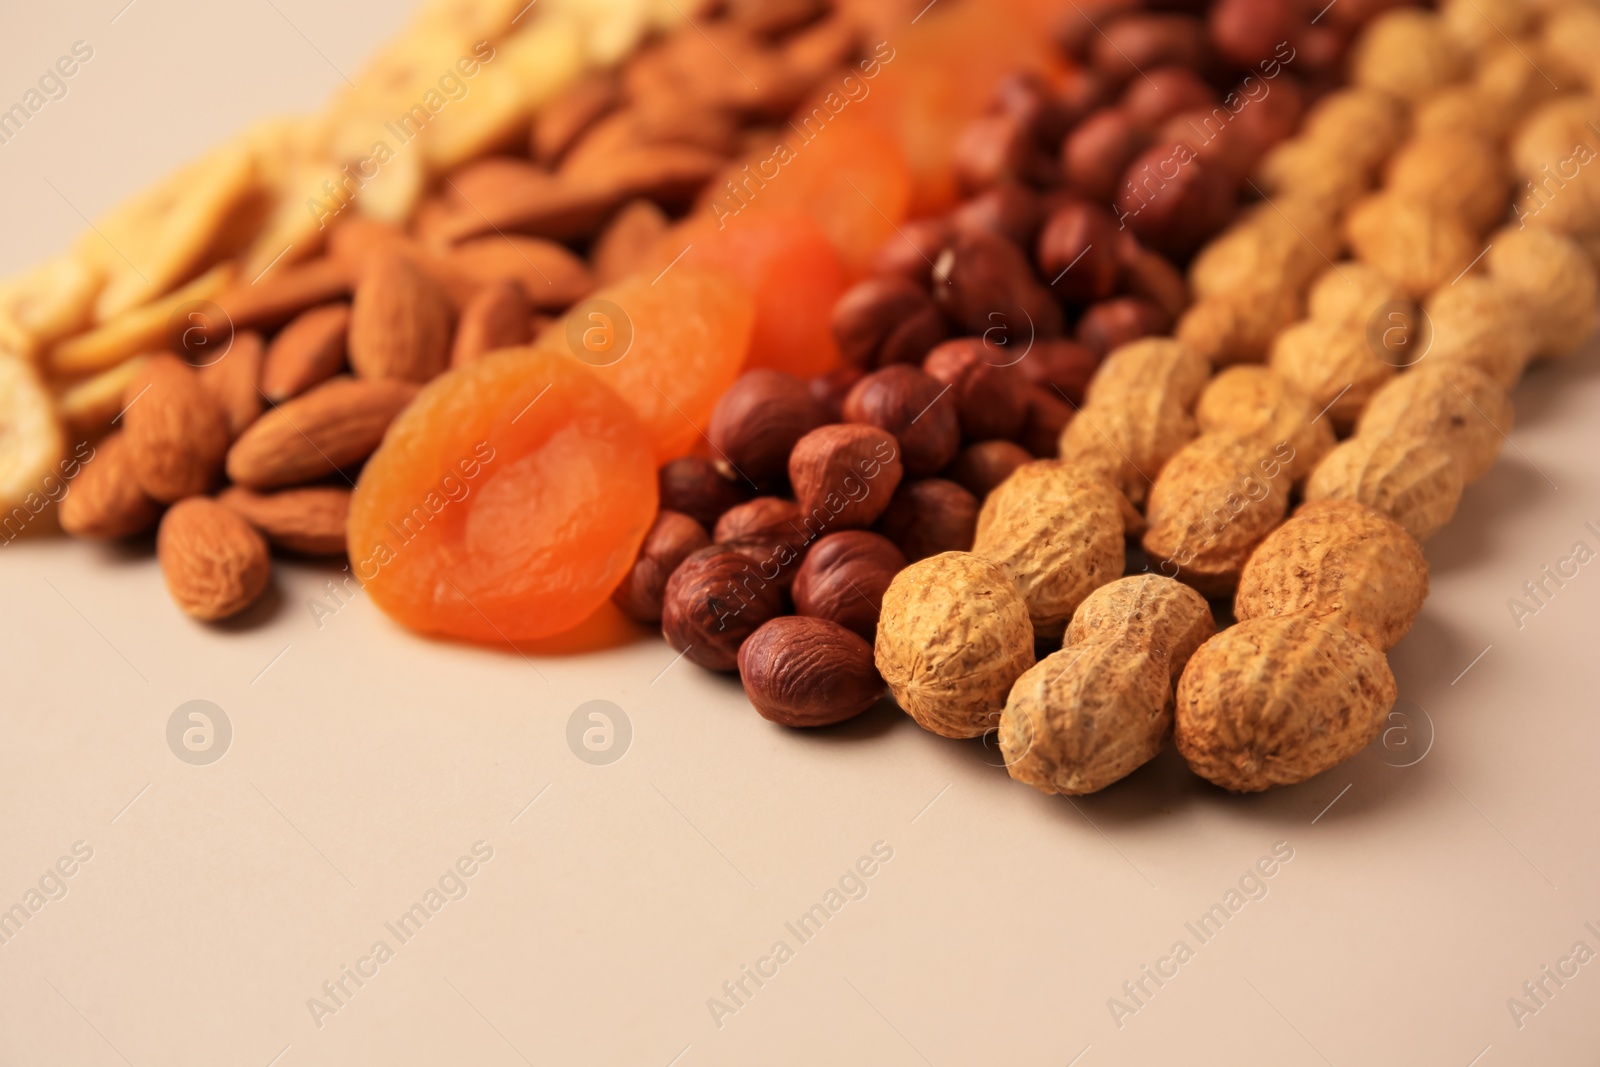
1407, 350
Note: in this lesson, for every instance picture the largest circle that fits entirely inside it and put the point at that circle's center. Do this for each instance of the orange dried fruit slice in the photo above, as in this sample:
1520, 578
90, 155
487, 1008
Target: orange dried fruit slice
506, 503
669, 344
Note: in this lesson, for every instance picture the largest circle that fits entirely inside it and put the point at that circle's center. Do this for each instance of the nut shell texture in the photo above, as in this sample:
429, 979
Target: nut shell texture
801, 671
1276, 700
1456, 405
1259, 404
1057, 530
1213, 504
953, 638
1413, 480
1343, 563
1102, 706
1552, 280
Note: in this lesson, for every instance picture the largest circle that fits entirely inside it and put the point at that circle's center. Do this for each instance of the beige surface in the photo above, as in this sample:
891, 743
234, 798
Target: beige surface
364, 762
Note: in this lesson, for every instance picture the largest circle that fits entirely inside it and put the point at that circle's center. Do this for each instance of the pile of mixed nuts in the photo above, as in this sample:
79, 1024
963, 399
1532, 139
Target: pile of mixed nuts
1138, 434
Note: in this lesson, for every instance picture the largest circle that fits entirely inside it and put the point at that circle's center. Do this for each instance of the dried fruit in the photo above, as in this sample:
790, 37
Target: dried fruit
506, 502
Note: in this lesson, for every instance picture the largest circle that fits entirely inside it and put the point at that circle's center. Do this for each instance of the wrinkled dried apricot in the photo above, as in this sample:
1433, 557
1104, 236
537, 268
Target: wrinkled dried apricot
792, 271
506, 503
670, 344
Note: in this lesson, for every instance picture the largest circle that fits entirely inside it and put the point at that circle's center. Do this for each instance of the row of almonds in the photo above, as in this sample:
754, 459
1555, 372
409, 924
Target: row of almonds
280, 386
463, 79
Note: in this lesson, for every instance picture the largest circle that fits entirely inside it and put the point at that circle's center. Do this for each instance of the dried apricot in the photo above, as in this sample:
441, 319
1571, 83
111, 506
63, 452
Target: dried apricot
506, 503
670, 345
792, 271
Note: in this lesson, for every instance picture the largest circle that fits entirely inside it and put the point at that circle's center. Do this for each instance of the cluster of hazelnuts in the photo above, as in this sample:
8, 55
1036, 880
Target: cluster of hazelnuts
967, 349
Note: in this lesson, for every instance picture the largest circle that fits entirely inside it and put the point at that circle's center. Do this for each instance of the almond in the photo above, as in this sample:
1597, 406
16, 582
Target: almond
498, 317
309, 351
400, 321
104, 502
508, 194
552, 277
318, 433
309, 520
274, 300
627, 239
177, 434
231, 381
214, 563
563, 120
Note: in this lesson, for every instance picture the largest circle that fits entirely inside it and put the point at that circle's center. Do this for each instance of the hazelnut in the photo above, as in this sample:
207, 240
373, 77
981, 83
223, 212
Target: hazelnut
808, 672
1267, 122
995, 148
1047, 418
1064, 367
1095, 154
1152, 276
1045, 115
831, 388
1113, 323
953, 638
930, 516
1165, 91
985, 285
1172, 199
671, 539
768, 517
1246, 32
1138, 42
844, 576
989, 394
1010, 210
980, 467
844, 475
912, 406
756, 423
912, 252
713, 601
691, 485
1077, 251
886, 320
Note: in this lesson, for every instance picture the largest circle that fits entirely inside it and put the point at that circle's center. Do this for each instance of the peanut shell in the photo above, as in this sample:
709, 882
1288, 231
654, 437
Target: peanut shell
1413, 480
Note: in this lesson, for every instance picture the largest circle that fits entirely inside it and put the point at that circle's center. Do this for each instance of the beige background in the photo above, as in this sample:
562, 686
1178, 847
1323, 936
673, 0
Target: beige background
365, 761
